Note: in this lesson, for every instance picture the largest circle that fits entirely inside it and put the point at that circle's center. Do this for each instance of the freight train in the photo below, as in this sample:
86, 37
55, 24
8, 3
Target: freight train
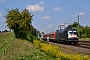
67, 35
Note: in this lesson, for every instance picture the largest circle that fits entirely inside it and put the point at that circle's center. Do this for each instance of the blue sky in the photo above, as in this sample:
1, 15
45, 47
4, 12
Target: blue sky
48, 14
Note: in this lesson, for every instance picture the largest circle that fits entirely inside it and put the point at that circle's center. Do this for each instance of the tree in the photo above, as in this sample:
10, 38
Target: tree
19, 22
75, 24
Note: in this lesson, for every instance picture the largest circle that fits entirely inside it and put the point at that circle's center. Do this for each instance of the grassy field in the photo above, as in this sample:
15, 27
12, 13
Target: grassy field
17, 49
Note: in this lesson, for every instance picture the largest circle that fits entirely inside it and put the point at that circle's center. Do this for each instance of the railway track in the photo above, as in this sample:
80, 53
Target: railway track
81, 44
82, 47
84, 44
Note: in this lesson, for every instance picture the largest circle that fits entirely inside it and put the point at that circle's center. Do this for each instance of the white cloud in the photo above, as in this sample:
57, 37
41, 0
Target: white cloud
81, 13
57, 8
0, 14
42, 3
36, 7
2, 0
46, 17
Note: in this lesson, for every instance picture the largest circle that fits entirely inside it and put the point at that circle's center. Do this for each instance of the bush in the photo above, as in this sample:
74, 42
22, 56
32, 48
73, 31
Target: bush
30, 38
5, 31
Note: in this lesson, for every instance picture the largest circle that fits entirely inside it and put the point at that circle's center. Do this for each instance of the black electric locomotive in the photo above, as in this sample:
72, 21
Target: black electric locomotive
67, 35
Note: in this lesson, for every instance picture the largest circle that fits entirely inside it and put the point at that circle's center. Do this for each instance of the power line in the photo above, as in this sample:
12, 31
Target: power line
85, 16
80, 18
75, 9
73, 18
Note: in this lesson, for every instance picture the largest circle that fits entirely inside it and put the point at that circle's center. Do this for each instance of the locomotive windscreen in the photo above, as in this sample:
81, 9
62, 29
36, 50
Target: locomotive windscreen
72, 34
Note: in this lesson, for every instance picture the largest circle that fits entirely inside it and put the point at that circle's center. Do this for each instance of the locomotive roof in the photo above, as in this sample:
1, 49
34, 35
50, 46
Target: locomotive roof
50, 33
69, 28
62, 30
66, 29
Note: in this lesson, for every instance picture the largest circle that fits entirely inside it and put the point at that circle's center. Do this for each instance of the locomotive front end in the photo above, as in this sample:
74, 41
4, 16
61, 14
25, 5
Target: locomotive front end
73, 36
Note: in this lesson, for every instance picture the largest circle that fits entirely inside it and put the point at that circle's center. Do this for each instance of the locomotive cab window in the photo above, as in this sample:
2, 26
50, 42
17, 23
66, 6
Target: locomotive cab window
72, 34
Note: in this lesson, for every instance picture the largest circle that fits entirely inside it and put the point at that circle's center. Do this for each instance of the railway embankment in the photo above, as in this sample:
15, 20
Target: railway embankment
17, 49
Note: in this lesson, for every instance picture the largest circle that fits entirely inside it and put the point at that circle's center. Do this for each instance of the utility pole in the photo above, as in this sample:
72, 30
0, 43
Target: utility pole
78, 25
42, 28
41, 31
78, 20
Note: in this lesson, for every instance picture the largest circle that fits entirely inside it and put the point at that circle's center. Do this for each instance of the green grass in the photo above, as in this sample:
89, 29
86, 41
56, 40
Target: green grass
84, 39
17, 49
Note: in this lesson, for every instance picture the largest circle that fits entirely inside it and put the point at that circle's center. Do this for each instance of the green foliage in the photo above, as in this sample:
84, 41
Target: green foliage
19, 22
75, 24
84, 32
6, 42
5, 31
29, 36
34, 32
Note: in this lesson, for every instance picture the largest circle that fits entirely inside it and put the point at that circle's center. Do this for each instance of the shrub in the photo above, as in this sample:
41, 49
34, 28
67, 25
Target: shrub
37, 43
30, 38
